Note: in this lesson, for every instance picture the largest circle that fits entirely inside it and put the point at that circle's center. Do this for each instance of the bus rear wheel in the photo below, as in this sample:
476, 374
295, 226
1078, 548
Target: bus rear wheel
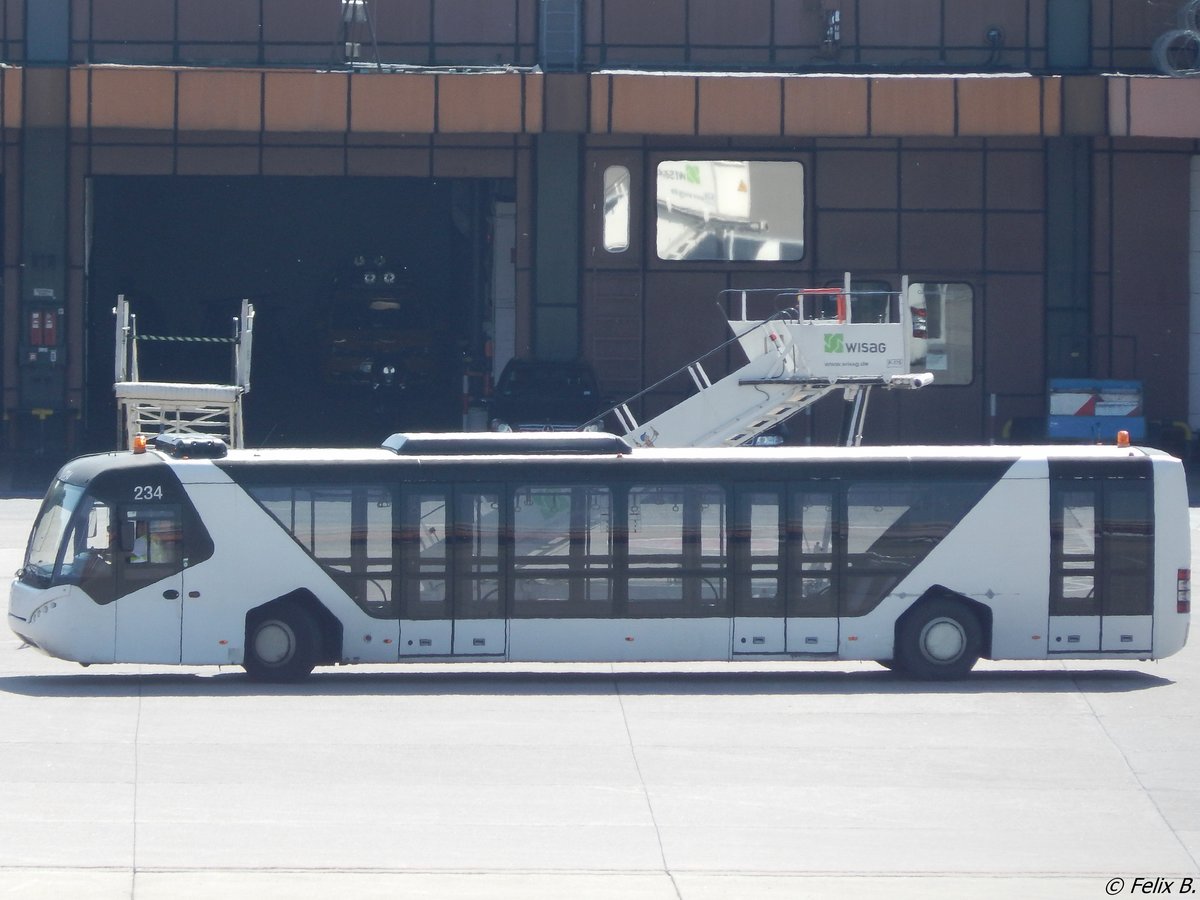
281, 644
939, 639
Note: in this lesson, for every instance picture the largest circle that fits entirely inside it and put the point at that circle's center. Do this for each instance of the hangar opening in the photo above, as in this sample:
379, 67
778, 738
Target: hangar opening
372, 295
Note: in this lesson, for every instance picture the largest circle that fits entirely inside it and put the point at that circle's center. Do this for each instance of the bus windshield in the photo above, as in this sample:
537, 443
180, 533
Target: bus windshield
48, 530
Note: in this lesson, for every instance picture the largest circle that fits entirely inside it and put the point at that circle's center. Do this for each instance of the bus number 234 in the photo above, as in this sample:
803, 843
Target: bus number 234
147, 492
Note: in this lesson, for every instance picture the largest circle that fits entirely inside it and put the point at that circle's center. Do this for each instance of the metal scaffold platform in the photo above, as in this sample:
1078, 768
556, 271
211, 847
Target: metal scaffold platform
156, 407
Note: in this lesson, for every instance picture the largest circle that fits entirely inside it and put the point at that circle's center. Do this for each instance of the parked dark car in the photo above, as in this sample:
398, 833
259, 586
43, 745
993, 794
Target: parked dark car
539, 395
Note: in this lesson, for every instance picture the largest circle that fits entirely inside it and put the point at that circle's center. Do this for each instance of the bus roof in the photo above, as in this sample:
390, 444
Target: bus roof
83, 469
481, 451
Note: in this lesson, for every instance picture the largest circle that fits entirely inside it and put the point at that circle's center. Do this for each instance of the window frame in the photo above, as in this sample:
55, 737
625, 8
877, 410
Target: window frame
949, 371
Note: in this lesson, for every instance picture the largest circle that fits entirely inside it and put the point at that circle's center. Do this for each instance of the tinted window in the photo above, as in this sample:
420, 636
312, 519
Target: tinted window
677, 545
1102, 547
943, 331
813, 587
47, 537
1128, 549
424, 536
477, 576
89, 551
891, 527
758, 553
348, 530
562, 551
1073, 545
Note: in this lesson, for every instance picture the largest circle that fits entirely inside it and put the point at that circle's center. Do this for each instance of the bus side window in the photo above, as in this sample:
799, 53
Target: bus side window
877, 554
891, 526
1073, 550
1128, 549
562, 551
478, 526
813, 587
757, 546
677, 551
1102, 548
87, 556
89, 541
424, 552
152, 536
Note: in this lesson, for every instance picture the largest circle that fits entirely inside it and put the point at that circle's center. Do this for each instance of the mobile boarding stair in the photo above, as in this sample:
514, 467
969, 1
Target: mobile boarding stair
814, 344
156, 407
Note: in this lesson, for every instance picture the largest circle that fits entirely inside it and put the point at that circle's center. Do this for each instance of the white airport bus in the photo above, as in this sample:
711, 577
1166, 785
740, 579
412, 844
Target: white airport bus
575, 547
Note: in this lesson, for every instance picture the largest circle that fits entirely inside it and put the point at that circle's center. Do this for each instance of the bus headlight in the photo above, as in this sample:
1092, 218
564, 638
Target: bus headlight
41, 611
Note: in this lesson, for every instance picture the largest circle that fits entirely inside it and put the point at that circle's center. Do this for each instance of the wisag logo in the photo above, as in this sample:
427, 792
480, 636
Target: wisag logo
837, 343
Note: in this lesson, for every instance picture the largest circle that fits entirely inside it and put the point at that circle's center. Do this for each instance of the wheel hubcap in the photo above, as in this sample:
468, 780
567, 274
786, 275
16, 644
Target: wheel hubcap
273, 643
943, 640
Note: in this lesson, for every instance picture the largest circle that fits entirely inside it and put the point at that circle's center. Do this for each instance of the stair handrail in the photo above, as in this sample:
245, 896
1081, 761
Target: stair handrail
616, 408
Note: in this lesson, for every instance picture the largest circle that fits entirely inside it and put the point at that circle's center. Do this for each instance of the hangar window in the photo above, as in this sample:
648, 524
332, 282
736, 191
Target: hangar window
730, 210
616, 209
943, 331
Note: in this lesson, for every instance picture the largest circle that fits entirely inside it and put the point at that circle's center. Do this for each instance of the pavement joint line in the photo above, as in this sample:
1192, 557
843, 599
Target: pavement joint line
613, 873
642, 781
137, 777
1150, 794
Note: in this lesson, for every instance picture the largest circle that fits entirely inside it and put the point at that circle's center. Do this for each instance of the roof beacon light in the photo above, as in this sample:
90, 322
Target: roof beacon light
1122, 438
139, 443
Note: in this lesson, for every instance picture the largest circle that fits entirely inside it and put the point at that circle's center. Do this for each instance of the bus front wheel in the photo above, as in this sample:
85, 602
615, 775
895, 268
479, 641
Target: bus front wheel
281, 644
939, 639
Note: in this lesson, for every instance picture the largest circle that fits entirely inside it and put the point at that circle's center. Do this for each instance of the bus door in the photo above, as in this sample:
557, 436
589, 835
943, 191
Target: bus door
480, 627
147, 556
451, 599
757, 582
426, 628
1101, 564
812, 590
